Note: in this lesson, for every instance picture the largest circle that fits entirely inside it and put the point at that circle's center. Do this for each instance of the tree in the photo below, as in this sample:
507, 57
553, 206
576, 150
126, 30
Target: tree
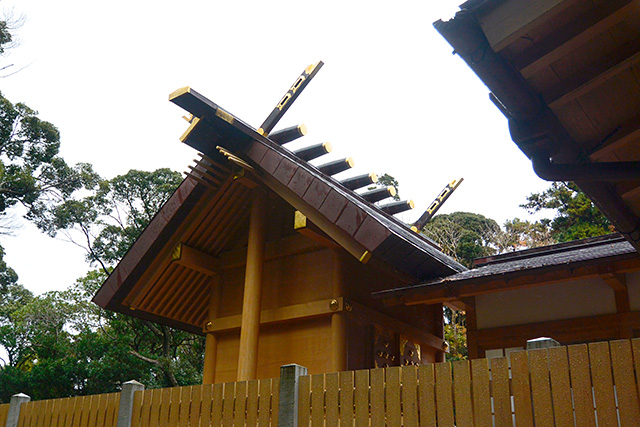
463, 235
106, 222
519, 234
576, 216
386, 180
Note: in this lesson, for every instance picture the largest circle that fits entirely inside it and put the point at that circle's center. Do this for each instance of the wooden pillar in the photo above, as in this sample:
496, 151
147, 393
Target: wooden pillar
438, 329
338, 320
472, 327
211, 346
250, 326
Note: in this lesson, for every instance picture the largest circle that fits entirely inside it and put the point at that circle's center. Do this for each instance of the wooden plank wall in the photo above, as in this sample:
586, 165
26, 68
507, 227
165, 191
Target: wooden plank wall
100, 410
248, 403
531, 388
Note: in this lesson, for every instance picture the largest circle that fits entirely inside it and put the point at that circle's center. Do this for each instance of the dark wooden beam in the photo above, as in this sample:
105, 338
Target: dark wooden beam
289, 134
587, 79
625, 133
580, 30
305, 227
509, 21
288, 98
196, 260
566, 331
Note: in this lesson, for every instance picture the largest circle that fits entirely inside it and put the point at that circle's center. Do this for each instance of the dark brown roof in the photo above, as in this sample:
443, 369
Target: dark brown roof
564, 256
565, 75
357, 225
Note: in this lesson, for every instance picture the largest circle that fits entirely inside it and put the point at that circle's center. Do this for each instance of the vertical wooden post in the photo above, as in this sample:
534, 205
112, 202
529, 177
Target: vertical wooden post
250, 326
472, 326
438, 327
338, 320
211, 346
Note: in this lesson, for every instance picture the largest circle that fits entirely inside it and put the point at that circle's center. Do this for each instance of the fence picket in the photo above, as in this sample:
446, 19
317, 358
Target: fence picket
174, 406
240, 406
102, 410
74, 412
196, 402
521, 389
275, 401
541, 388
376, 380
603, 384
112, 410
216, 405
462, 393
185, 405
623, 374
426, 396
264, 408
392, 396
252, 402
332, 385
361, 398
317, 400
501, 392
346, 399
207, 402
481, 393
93, 410
444, 395
581, 385
227, 404
409, 376
560, 386
304, 400
154, 410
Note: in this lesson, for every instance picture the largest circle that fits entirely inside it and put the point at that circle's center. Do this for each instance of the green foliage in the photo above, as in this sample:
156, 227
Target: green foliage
106, 221
455, 334
576, 216
463, 235
5, 36
56, 347
31, 172
112, 215
386, 180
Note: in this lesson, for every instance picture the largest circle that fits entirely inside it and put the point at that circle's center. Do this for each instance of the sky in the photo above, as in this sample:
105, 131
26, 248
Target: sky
391, 95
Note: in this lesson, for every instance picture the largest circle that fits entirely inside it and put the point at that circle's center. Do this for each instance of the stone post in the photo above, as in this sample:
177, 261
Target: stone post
14, 408
289, 386
126, 402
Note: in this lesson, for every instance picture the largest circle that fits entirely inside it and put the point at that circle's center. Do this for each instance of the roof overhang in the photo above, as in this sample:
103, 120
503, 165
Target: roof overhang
605, 257
565, 74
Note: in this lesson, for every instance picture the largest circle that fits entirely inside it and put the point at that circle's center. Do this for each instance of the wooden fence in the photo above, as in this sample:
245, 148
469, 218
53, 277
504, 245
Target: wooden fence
579, 385
100, 410
231, 404
563, 386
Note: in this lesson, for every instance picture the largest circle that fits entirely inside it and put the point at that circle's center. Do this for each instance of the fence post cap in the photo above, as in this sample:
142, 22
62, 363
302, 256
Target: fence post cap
21, 396
133, 382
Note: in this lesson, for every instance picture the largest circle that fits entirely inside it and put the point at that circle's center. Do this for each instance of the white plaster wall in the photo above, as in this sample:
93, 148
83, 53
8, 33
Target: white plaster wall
580, 298
633, 285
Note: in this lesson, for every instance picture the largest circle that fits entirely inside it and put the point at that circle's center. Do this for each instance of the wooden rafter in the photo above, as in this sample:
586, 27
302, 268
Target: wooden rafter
196, 260
626, 133
588, 79
558, 44
513, 19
